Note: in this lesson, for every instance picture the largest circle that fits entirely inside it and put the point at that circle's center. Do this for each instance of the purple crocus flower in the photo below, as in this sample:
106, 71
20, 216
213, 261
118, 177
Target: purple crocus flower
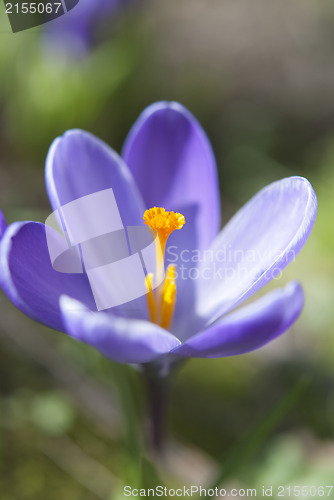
75, 30
167, 161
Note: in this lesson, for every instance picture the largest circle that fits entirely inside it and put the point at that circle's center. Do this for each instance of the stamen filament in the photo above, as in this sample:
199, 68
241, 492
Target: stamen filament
160, 254
152, 307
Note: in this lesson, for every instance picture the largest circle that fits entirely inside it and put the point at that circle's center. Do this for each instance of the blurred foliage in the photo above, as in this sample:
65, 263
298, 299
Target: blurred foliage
266, 100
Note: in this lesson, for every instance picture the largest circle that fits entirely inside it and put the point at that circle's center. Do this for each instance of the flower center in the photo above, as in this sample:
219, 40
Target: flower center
161, 301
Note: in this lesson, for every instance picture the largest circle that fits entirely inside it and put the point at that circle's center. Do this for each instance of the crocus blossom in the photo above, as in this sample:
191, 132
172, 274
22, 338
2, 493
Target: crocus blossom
75, 30
166, 174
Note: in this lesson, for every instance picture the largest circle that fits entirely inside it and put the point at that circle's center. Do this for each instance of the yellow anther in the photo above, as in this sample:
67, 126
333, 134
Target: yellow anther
169, 278
152, 307
168, 298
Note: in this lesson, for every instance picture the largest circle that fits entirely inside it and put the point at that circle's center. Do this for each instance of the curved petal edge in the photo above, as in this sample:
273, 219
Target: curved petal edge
28, 278
256, 245
172, 161
248, 328
79, 164
120, 339
3, 224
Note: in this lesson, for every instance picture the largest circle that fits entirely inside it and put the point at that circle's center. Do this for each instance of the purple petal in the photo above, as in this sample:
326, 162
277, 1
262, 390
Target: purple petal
74, 30
120, 339
79, 164
28, 279
249, 328
71, 31
172, 162
256, 245
3, 224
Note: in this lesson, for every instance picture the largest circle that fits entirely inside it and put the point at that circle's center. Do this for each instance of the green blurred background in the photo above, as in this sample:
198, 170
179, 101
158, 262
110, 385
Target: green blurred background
259, 75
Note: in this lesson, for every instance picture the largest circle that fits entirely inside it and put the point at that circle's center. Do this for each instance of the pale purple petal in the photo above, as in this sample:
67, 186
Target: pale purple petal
120, 339
173, 164
256, 245
249, 328
74, 31
3, 224
186, 292
28, 279
79, 164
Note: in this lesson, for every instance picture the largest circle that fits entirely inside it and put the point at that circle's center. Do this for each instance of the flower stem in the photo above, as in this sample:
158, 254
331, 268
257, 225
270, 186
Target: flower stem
157, 388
